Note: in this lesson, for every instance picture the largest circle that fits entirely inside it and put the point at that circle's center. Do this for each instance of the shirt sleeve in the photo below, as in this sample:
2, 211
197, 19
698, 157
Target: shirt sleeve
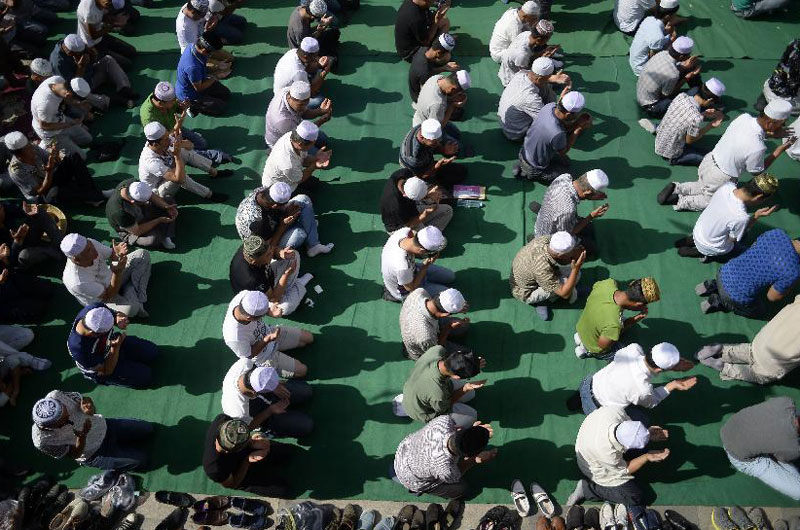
786, 281
611, 332
738, 227
405, 276
548, 282
755, 160
560, 141
652, 396
240, 348
694, 127
669, 86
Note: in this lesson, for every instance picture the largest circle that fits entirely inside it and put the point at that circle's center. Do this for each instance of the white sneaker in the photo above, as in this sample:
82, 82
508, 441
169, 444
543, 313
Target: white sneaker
581, 353
647, 125
621, 516
168, 243
607, 520
319, 248
577, 339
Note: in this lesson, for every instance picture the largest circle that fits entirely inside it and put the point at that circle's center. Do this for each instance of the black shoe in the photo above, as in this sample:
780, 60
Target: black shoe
591, 520
668, 195
418, 521
223, 173
575, 515
217, 197
453, 512
175, 520
574, 404
433, 515
534, 206
689, 252
175, 498
678, 521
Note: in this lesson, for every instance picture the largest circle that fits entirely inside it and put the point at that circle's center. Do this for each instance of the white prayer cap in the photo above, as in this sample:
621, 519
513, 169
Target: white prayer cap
215, 6
562, 242
543, 66
99, 320
431, 239
307, 130
280, 192
452, 301
309, 45
415, 188
300, 90
464, 81
431, 129
669, 4
531, 8
42, 67
15, 140
573, 101
632, 434
318, 7
80, 87
778, 109
140, 191
683, 44
598, 179
74, 43
263, 379
255, 303
199, 5
164, 91
118, 4
73, 244
716, 87
665, 355
154, 131
447, 41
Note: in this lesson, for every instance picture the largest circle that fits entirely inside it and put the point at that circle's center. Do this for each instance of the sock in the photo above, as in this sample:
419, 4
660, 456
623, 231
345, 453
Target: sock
707, 352
319, 248
716, 364
578, 495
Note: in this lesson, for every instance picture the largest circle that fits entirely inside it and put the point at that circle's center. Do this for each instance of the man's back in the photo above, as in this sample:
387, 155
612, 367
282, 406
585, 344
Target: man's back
411, 28
559, 211
545, 138
598, 452
766, 429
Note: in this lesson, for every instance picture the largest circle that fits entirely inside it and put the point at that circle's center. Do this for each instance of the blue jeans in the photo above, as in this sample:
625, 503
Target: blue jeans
781, 476
691, 156
121, 448
316, 101
588, 402
231, 29
437, 279
322, 141
133, 368
304, 230
201, 146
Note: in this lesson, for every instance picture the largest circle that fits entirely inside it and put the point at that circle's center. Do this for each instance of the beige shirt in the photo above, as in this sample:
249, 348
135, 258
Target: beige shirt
598, 451
776, 348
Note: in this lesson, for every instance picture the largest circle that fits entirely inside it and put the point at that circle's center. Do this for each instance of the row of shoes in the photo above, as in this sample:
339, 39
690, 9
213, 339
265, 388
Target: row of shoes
735, 518
216, 510
434, 517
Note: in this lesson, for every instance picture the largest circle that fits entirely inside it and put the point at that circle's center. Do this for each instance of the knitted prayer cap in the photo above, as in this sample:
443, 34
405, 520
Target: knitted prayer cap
767, 183
254, 246
650, 290
233, 435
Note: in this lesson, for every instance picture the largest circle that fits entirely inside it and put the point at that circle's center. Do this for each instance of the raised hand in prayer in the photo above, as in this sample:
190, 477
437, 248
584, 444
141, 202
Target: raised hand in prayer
576, 264
87, 406
282, 392
449, 149
430, 260
257, 456
121, 320
279, 407
19, 234
682, 384
474, 385
599, 212
486, 426
551, 50
120, 249
323, 158
458, 323
657, 456
658, 433
452, 66
765, 212
326, 21
269, 337
117, 341
4, 252
562, 79
481, 363
486, 456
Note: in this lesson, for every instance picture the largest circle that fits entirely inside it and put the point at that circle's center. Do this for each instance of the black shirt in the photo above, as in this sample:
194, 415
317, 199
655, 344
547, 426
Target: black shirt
411, 28
220, 466
421, 70
246, 277
396, 209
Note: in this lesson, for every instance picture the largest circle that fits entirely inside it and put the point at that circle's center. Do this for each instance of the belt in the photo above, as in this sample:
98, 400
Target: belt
594, 400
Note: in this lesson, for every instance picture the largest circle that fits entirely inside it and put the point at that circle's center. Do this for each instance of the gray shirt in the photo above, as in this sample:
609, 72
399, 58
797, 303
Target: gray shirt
432, 102
658, 79
520, 104
766, 429
281, 118
298, 29
545, 138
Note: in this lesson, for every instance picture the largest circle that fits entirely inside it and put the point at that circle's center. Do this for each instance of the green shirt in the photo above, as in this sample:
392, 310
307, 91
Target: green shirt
122, 214
601, 316
148, 112
427, 392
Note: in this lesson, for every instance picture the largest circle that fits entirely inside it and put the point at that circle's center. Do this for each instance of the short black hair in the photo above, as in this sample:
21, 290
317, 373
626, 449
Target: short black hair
210, 41
662, 12
462, 363
705, 93
751, 188
470, 441
634, 292
675, 54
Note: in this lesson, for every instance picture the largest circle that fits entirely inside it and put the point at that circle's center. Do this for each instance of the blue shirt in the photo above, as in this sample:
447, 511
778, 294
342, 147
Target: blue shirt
191, 69
649, 36
87, 352
545, 138
771, 261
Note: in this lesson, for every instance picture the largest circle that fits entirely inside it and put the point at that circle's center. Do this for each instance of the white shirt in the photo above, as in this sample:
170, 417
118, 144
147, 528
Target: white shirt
89, 15
628, 13
234, 403
626, 381
505, 30
649, 37
280, 117
153, 167
722, 223
283, 164
598, 451
240, 337
46, 107
87, 284
397, 265
187, 30
519, 52
288, 70
741, 148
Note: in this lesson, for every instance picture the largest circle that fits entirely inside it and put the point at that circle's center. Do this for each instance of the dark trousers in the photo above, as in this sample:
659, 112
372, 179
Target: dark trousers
121, 448
133, 368
73, 183
524, 169
120, 50
267, 478
213, 101
690, 156
25, 298
292, 423
231, 29
34, 30
35, 250
720, 300
629, 494
450, 491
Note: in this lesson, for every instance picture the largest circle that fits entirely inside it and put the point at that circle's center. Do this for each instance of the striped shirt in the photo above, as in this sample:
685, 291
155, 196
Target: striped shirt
57, 442
628, 13
683, 117
418, 328
520, 104
658, 79
423, 462
533, 268
559, 211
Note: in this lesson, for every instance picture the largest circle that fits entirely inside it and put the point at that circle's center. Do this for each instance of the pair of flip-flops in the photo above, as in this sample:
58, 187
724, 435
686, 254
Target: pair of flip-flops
522, 502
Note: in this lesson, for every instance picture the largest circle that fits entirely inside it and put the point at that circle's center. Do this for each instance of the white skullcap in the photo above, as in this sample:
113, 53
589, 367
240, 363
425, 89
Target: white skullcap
715, 86
99, 320
452, 301
41, 67
199, 5
309, 45
73, 244
683, 44
118, 4
447, 41
431, 129
669, 4
598, 179
632, 434
464, 81
543, 66
215, 6
318, 7
15, 140
573, 101
74, 43
154, 131
562, 242
531, 8
665, 355
300, 90
55, 80
164, 91
415, 188
431, 239
778, 109
80, 87
263, 379
140, 191
255, 303
280, 192
307, 130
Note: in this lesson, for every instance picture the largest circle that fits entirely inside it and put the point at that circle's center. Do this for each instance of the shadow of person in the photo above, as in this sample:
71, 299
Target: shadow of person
211, 353
639, 242
494, 406
623, 173
180, 446
653, 330
340, 293
364, 353
593, 87
169, 278
352, 99
353, 55
483, 288
481, 102
487, 338
686, 461
349, 152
